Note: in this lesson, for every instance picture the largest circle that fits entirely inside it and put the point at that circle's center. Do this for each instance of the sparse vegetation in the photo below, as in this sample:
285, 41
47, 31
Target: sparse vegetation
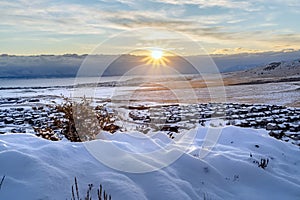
205, 196
101, 193
263, 163
80, 121
1, 182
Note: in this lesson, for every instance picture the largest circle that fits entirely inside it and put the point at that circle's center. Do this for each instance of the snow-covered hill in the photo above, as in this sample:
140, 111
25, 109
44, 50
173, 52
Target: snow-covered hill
275, 69
35, 168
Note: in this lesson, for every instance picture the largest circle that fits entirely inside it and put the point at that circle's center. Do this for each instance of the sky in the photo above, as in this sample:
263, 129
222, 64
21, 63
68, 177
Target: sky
32, 27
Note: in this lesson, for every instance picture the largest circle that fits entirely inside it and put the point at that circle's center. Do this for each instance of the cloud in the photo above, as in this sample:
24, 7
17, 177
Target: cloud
238, 50
238, 27
244, 5
68, 65
74, 18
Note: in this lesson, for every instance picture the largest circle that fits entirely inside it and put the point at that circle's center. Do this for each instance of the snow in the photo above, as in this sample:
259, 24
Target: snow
40, 169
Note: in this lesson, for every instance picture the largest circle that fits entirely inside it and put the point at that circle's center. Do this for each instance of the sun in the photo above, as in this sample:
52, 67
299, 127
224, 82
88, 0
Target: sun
157, 54
156, 57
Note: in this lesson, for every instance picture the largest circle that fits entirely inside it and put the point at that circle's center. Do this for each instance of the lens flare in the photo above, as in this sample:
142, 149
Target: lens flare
156, 58
156, 54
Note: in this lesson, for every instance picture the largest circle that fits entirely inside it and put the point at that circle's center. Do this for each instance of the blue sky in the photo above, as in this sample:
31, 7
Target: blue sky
77, 26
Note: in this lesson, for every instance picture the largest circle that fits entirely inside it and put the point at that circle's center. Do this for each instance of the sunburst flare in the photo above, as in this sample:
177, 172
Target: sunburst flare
156, 58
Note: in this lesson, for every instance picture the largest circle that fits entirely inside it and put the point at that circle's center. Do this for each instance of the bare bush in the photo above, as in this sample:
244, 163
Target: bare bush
80, 121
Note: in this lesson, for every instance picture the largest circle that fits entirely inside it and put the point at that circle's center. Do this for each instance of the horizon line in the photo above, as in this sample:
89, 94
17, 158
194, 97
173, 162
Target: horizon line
137, 55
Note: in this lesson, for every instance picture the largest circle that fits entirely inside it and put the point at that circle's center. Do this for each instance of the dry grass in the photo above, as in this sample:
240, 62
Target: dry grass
101, 193
1, 182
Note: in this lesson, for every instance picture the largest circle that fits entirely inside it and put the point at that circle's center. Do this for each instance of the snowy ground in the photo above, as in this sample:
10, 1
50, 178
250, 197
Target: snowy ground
35, 168
281, 93
39, 169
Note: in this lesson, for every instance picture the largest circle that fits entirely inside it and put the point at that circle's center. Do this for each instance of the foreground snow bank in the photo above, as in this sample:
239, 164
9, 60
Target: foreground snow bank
39, 169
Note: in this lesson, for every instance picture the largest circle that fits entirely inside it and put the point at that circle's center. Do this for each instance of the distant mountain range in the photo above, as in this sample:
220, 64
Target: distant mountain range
68, 65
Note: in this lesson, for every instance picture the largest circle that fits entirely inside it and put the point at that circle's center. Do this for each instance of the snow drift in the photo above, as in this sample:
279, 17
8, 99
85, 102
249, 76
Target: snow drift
40, 169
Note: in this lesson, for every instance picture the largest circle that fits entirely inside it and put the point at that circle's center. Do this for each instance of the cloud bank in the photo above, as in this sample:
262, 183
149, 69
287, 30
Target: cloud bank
46, 66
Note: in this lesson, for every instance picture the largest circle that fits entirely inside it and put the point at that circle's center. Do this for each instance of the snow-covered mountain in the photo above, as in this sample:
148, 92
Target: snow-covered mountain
276, 69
